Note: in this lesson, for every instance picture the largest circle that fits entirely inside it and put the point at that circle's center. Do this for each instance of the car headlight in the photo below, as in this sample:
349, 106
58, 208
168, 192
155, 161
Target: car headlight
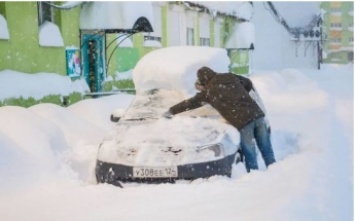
216, 148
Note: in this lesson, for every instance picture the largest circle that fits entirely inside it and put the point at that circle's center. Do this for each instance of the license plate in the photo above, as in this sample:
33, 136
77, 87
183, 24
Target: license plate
154, 172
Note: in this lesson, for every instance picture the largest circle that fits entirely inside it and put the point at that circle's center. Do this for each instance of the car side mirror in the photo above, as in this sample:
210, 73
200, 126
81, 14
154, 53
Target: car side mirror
117, 114
114, 118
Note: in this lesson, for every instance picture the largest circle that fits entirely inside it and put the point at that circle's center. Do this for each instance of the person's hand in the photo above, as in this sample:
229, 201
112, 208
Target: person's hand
168, 115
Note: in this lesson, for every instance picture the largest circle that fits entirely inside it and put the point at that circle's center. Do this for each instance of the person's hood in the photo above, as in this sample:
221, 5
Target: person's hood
205, 74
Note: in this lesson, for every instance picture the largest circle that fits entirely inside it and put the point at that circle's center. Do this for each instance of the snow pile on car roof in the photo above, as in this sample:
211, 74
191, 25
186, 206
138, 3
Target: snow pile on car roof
174, 68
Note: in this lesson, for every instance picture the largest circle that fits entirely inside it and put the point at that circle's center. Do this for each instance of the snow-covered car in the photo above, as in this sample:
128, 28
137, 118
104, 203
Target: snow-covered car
146, 147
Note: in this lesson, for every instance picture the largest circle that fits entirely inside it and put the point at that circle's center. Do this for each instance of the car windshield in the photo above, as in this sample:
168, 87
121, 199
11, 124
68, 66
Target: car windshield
151, 104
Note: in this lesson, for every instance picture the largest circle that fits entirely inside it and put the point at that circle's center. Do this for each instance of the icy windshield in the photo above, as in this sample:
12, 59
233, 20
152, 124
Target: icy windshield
152, 104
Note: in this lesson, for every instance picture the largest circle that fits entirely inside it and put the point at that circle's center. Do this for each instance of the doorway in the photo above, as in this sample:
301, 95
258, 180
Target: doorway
93, 57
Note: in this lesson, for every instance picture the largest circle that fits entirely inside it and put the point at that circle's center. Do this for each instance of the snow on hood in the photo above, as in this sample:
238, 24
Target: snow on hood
160, 85
175, 68
183, 133
114, 15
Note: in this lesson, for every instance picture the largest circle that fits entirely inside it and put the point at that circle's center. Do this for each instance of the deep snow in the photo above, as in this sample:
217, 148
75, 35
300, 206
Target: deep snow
48, 154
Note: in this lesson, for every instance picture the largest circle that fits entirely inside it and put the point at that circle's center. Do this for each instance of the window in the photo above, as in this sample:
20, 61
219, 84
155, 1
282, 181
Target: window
336, 10
351, 39
335, 4
190, 36
204, 41
152, 41
45, 13
49, 32
152, 38
335, 25
335, 40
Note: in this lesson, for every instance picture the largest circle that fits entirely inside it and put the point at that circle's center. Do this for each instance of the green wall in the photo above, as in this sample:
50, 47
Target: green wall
111, 43
212, 33
127, 58
70, 26
23, 45
23, 53
165, 26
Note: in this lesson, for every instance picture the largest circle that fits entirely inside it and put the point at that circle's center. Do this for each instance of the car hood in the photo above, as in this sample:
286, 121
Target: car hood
167, 141
144, 138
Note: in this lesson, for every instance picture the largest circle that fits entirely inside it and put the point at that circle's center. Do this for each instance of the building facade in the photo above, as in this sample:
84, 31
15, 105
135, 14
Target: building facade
77, 49
283, 35
338, 32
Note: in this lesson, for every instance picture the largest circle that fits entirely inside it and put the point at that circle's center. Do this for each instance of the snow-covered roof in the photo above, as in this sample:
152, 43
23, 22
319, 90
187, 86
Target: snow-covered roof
298, 14
66, 5
242, 37
239, 9
114, 15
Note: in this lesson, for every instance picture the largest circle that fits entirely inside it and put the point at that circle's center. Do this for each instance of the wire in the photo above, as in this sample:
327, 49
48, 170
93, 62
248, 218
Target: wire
116, 39
277, 17
292, 31
109, 59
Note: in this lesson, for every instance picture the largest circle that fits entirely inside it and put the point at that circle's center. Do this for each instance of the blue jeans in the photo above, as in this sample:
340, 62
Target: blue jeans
257, 130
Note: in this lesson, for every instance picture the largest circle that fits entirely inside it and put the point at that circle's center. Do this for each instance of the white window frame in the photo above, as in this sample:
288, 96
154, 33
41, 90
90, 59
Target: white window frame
205, 41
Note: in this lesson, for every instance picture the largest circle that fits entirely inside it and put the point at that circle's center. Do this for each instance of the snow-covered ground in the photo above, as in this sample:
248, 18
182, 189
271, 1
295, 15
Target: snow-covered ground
47, 152
48, 155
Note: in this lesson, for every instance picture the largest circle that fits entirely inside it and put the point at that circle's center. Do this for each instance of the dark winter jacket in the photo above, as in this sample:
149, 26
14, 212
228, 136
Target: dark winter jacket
227, 93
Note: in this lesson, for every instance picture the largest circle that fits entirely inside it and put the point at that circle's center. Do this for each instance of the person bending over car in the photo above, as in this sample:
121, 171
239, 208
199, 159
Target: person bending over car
229, 95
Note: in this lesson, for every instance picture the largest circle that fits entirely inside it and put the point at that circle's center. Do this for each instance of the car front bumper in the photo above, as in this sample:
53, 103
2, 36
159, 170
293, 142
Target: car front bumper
116, 173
